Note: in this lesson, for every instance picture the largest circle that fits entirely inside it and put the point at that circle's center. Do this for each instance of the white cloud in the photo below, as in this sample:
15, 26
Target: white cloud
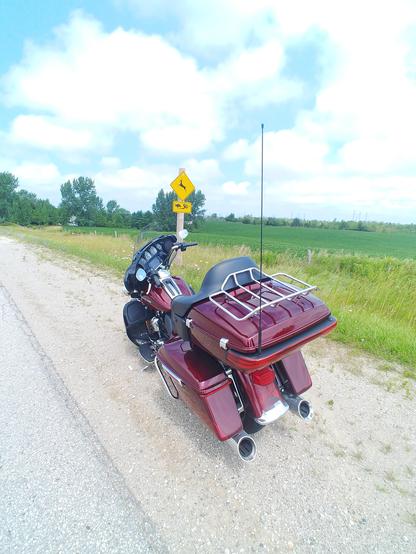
208, 26
203, 173
367, 194
236, 150
352, 147
121, 80
110, 161
286, 153
235, 189
92, 83
133, 179
46, 133
44, 179
37, 173
137, 184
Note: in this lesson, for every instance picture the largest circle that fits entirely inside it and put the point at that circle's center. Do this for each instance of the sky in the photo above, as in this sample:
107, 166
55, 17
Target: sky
129, 91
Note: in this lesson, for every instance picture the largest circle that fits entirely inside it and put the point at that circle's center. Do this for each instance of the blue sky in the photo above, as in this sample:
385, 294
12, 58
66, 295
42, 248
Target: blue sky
127, 91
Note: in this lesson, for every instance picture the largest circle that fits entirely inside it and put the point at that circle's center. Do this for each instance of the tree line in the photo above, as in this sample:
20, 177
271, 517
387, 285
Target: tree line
81, 206
342, 225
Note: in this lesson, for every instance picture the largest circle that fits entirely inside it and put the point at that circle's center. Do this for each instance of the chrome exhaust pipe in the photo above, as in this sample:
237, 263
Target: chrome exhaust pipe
299, 406
244, 445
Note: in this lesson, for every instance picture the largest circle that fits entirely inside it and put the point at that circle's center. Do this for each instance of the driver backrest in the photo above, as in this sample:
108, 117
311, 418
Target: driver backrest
217, 274
213, 280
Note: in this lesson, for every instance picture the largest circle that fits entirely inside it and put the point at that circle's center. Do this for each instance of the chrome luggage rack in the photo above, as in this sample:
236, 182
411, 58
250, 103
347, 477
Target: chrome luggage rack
295, 291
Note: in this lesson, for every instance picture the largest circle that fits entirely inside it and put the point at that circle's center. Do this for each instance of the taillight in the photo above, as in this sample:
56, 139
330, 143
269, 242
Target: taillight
263, 377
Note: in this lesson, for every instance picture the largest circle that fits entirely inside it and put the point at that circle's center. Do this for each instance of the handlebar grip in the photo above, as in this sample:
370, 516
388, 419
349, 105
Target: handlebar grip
155, 278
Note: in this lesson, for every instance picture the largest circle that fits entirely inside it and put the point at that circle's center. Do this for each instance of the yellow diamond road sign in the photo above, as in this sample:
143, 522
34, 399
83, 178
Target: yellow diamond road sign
180, 207
183, 186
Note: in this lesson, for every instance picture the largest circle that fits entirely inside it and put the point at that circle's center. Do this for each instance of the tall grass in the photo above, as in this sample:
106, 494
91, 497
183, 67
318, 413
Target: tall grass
374, 299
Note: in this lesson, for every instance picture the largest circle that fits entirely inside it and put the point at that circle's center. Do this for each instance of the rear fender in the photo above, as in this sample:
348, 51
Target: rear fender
260, 390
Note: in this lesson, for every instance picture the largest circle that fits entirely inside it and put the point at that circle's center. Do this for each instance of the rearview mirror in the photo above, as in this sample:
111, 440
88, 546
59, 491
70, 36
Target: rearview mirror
183, 234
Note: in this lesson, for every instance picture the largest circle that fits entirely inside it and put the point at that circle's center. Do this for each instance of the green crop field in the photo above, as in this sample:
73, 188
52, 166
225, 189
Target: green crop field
299, 239
294, 239
364, 278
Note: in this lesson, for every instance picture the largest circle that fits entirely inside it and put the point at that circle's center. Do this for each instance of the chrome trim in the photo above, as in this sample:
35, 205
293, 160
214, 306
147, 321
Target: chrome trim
277, 410
163, 273
299, 406
170, 287
244, 445
172, 374
168, 283
262, 303
229, 374
224, 343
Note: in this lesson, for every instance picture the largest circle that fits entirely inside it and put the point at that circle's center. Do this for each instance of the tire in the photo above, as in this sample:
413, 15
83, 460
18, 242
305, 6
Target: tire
250, 425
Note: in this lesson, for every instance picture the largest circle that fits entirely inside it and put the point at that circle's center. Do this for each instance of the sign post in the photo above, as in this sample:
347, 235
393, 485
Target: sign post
180, 223
183, 187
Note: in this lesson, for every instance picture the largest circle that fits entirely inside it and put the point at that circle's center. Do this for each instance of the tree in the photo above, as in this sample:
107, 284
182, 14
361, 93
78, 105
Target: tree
23, 207
80, 199
230, 217
164, 218
121, 218
101, 218
112, 207
141, 219
198, 201
8, 186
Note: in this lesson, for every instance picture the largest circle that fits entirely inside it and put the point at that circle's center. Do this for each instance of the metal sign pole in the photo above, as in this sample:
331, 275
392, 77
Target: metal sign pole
180, 221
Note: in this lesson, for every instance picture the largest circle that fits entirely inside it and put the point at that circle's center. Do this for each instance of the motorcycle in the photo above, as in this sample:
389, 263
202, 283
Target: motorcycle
231, 351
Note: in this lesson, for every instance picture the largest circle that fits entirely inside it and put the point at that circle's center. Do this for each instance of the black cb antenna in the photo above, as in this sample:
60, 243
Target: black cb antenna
261, 241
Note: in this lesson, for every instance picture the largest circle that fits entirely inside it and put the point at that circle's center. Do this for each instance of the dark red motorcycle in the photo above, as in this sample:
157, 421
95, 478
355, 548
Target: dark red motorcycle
230, 351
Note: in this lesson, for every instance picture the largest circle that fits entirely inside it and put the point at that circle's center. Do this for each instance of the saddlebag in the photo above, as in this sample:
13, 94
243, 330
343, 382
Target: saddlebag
199, 380
294, 374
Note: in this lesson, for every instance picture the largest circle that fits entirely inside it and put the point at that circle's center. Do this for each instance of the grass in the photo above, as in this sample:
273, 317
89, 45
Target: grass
293, 239
373, 298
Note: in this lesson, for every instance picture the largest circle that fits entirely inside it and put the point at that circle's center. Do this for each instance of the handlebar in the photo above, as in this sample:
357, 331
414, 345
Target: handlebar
155, 278
184, 245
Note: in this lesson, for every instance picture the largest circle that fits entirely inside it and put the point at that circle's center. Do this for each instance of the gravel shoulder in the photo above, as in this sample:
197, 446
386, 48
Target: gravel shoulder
343, 483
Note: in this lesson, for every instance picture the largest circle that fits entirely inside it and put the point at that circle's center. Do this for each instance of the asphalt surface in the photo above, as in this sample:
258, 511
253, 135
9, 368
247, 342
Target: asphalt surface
59, 490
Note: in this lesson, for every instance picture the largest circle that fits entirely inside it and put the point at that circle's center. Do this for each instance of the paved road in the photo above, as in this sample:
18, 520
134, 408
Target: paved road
59, 490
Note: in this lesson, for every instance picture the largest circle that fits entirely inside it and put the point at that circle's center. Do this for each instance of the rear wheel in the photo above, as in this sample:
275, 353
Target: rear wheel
250, 425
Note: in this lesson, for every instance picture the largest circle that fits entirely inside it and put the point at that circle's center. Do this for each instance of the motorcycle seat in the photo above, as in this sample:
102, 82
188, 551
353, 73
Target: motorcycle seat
213, 281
